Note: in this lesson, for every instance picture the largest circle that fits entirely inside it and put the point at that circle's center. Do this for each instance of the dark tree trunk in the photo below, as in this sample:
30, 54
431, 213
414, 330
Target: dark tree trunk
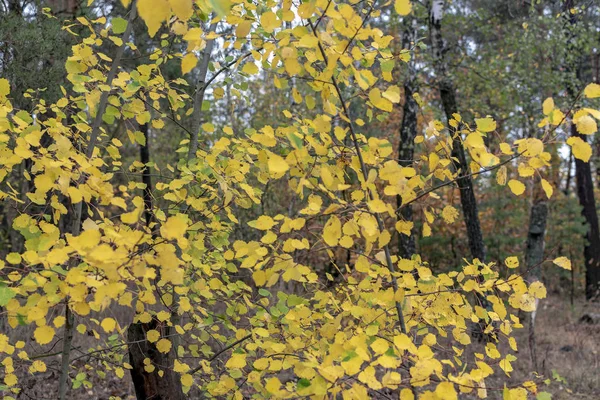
448, 96
408, 132
583, 174
591, 250
150, 385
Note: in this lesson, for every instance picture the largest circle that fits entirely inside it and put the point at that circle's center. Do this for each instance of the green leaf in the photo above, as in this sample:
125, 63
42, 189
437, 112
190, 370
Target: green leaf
118, 25
544, 396
6, 294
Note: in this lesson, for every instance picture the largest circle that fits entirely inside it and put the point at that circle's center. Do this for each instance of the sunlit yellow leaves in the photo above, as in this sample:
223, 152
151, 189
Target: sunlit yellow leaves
486, 124
446, 391
402, 7
188, 63
250, 68
175, 227
581, 149
501, 176
332, 231
548, 189
586, 125
511, 262
4, 87
43, 334
163, 345
277, 165
449, 214
517, 187
154, 13
182, 9
548, 106
378, 101
264, 223
506, 365
269, 21
404, 227
236, 361
563, 262
592, 91
108, 324
152, 335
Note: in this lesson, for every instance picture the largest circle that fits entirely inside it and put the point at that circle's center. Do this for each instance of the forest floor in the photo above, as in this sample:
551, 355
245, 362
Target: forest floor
568, 353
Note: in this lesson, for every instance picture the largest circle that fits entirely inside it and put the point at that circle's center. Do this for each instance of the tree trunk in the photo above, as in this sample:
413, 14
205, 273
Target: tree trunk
448, 96
408, 132
583, 175
534, 254
591, 249
150, 385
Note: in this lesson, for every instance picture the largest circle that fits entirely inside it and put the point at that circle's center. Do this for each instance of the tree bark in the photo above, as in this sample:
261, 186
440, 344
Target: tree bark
534, 254
408, 132
150, 385
591, 249
583, 175
448, 96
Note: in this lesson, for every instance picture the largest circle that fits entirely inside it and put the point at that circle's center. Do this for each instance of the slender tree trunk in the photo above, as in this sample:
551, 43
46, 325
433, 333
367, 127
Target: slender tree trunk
583, 176
408, 132
448, 96
591, 249
149, 384
534, 254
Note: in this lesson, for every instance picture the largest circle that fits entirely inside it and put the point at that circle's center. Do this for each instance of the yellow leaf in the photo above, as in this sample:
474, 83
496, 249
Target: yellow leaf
581, 149
188, 63
377, 206
277, 164
548, 106
4, 87
563, 262
486, 124
243, 28
449, 214
404, 227
183, 9
516, 187
501, 176
152, 335
175, 227
511, 262
250, 68
586, 125
592, 91
264, 223
273, 385
237, 361
378, 101
108, 324
269, 21
332, 231
547, 188
187, 380
406, 394
163, 345
403, 7
154, 13
43, 334
446, 391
